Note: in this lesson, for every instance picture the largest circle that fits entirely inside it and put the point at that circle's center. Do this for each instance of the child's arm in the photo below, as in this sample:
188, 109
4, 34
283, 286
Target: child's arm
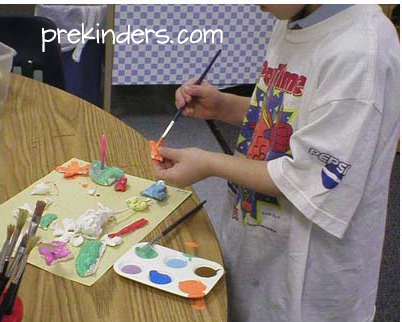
184, 167
206, 102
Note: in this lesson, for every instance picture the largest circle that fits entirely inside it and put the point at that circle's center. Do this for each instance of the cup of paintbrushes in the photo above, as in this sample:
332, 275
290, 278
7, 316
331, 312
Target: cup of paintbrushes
9, 307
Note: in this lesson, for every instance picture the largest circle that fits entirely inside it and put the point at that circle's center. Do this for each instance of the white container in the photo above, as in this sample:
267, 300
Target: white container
173, 274
6, 64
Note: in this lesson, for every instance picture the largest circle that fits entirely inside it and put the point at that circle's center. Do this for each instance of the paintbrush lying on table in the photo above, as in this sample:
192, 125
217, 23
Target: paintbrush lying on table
6, 306
150, 245
155, 146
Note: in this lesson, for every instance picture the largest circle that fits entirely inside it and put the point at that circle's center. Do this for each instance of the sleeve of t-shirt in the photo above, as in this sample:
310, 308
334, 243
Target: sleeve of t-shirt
331, 158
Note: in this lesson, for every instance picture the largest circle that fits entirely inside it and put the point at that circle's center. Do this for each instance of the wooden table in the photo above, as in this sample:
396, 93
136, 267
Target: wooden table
42, 127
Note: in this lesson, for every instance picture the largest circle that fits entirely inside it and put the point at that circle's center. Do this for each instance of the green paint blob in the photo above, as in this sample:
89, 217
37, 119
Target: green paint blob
89, 254
190, 257
146, 252
46, 220
106, 176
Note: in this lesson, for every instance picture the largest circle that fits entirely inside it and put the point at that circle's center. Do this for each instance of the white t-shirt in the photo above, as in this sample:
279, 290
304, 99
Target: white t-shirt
329, 130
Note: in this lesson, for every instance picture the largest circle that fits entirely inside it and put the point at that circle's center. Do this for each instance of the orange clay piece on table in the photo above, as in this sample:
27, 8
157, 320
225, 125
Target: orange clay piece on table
85, 185
198, 304
73, 169
154, 149
191, 244
194, 288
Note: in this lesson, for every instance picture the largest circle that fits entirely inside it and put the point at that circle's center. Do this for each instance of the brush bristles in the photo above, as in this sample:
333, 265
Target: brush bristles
32, 241
10, 230
22, 217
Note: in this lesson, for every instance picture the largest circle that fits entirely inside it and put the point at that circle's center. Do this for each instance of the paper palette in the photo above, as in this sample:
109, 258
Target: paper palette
171, 271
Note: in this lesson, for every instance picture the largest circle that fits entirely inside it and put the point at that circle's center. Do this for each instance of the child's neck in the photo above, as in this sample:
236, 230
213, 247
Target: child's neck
305, 11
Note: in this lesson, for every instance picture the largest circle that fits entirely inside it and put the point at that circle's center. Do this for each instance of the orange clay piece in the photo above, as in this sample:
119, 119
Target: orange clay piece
85, 185
198, 304
192, 244
154, 149
194, 288
73, 169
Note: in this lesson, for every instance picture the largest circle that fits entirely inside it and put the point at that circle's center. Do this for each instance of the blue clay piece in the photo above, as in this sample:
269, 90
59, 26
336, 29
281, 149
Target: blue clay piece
158, 278
155, 191
176, 263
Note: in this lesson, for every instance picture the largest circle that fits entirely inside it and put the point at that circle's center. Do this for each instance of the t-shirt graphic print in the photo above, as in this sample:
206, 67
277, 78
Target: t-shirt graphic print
265, 134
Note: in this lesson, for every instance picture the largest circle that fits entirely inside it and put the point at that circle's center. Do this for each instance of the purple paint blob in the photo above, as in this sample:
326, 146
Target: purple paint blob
159, 278
131, 269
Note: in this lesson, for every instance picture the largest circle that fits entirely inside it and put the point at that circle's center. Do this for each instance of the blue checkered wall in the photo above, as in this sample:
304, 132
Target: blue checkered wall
246, 32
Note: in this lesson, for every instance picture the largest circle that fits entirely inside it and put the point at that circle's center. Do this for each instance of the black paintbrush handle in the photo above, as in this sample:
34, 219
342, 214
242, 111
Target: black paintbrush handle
199, 81
6, 266
8, 307
180, 220
7, 299
3, 282
201, 78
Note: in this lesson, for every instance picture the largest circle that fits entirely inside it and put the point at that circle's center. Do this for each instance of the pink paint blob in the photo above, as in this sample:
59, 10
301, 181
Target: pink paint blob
103, 147
54, 251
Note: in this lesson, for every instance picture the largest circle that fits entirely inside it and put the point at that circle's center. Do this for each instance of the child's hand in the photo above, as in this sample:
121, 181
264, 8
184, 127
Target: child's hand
201, 101
182, 167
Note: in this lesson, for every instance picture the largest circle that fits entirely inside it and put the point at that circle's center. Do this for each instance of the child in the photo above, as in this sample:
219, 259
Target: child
304, 227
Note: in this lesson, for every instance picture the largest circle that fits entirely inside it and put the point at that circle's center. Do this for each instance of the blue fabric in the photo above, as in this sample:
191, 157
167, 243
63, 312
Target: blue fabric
322, 13
83, 79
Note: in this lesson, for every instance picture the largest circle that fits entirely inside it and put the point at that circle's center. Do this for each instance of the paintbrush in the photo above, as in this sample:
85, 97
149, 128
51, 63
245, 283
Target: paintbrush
167, 230
10, 230
14, 264
6, 307
21, 219
3, 267
180, 110
37, 215
102, 155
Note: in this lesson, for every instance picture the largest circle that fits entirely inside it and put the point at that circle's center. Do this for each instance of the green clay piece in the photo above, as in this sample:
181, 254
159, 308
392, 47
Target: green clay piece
88, 256
46, 220
146, 252
190, 257
106, 176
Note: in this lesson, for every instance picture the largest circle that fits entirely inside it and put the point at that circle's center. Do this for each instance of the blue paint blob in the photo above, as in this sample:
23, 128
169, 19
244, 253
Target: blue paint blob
158, 278
176, 263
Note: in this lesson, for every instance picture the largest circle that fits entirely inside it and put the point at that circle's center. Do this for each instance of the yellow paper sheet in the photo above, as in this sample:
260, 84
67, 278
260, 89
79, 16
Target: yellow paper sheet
72, 201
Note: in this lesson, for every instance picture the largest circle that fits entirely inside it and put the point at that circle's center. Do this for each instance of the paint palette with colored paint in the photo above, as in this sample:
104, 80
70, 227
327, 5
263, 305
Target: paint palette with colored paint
169, 270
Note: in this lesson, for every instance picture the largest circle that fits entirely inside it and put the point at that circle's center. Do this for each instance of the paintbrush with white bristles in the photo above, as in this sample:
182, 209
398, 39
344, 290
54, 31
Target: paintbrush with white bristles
7, 304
